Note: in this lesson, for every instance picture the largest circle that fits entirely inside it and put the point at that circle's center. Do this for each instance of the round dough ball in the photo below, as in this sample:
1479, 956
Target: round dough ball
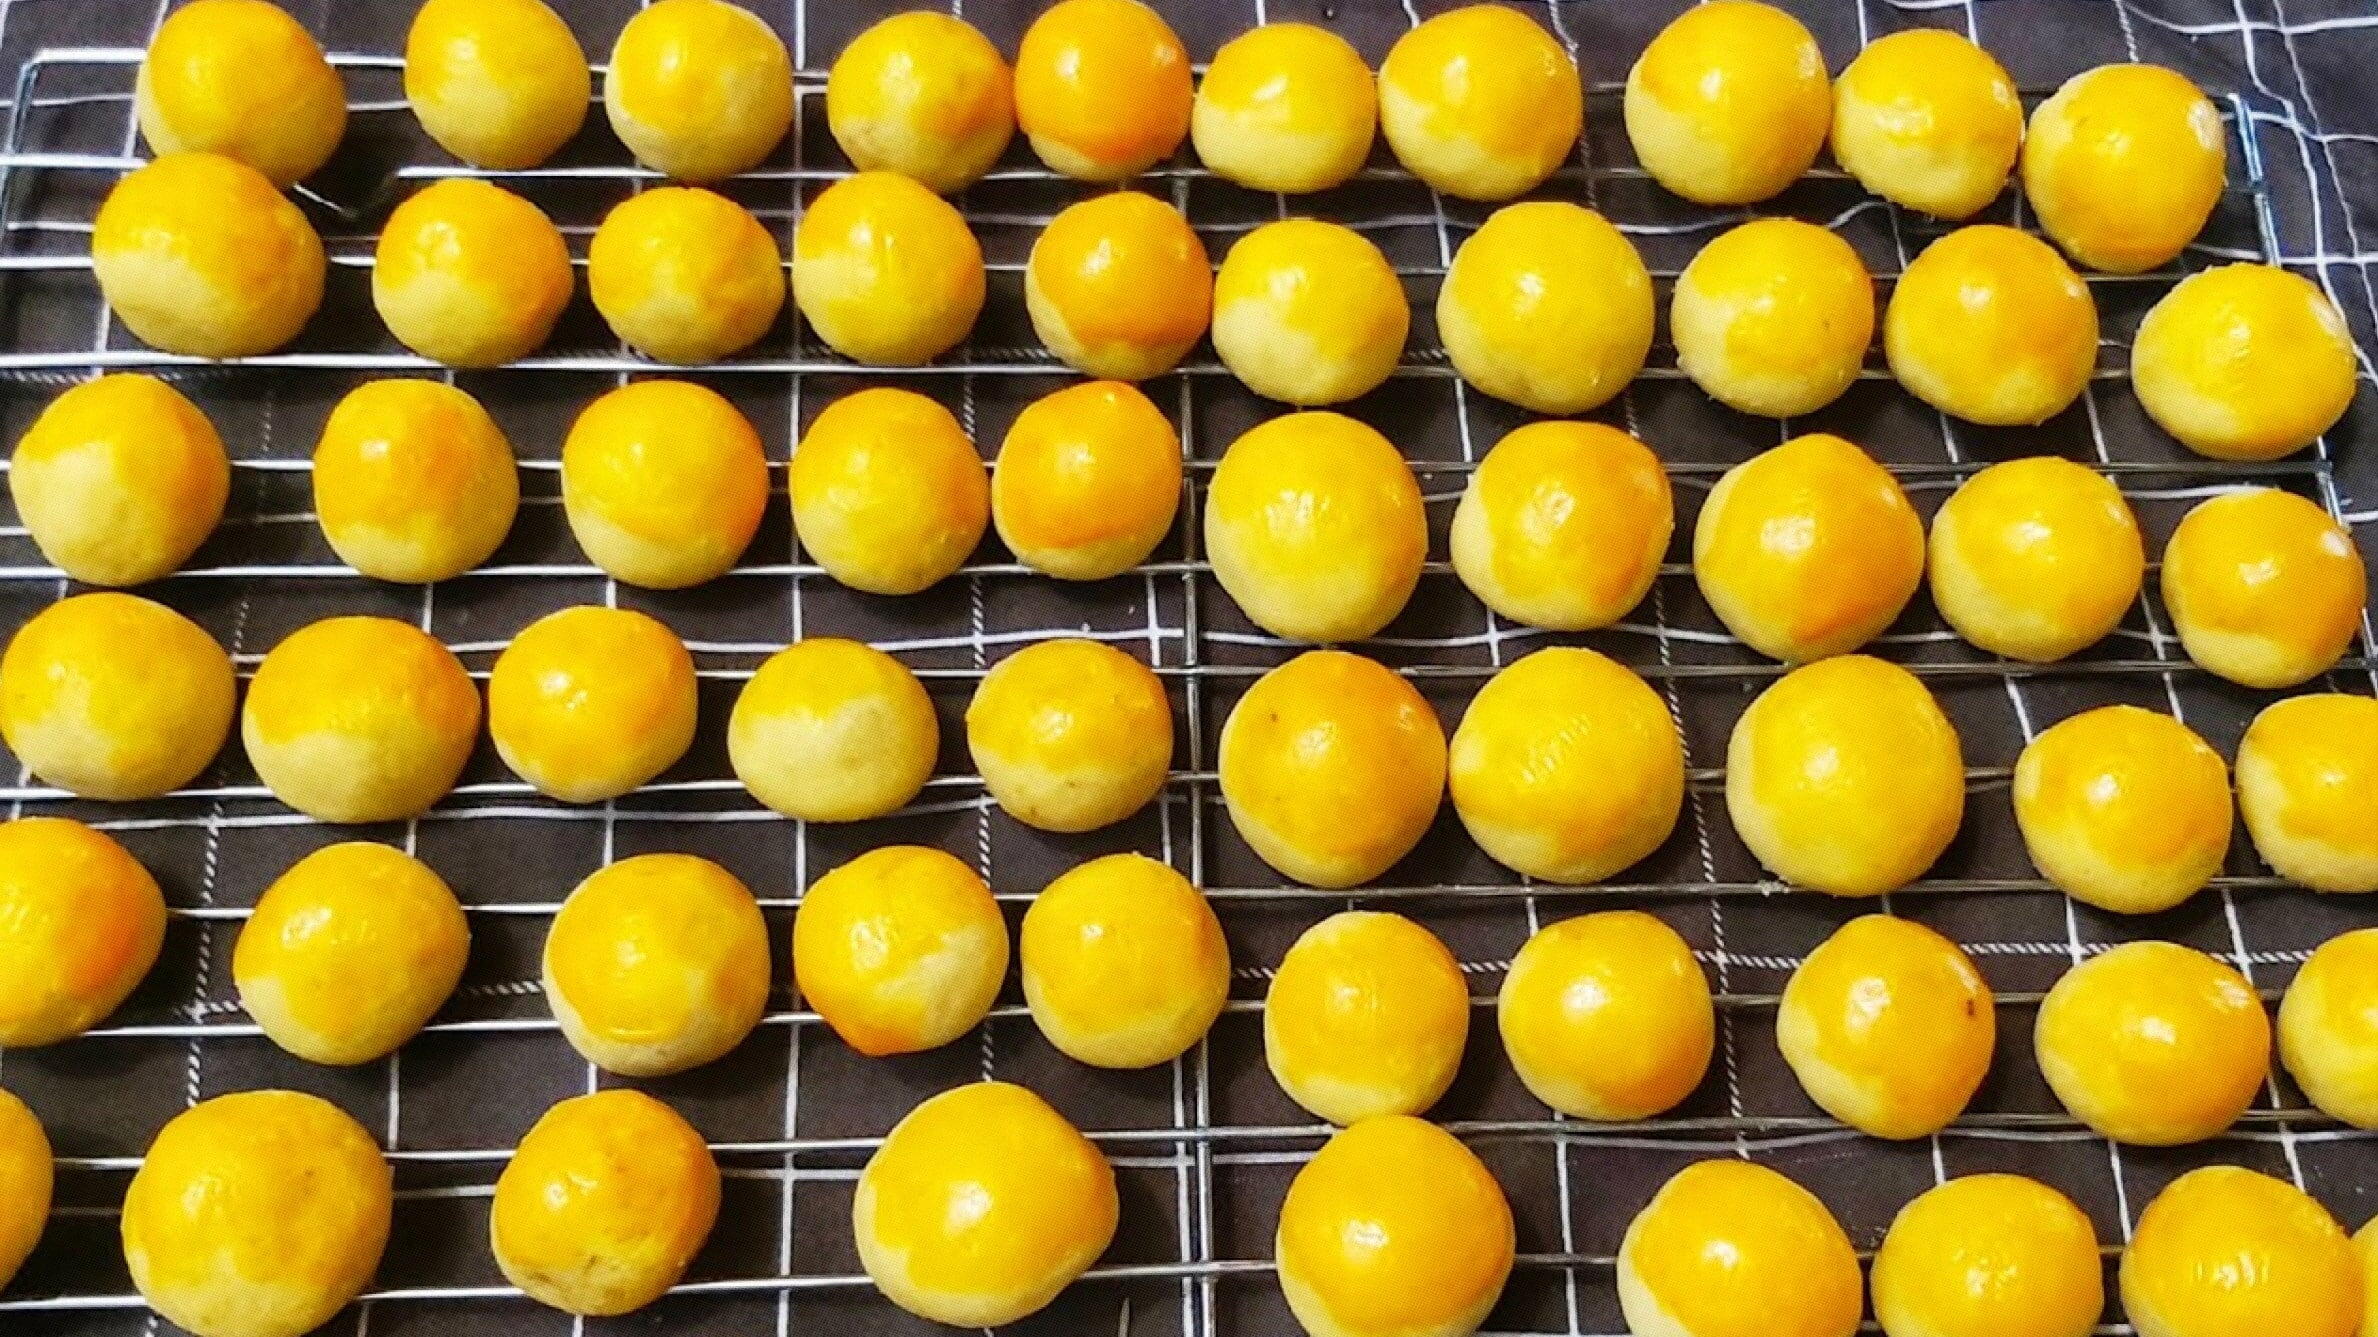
2328, 1028
1773, 317
1480, 102
604, 1203
2036, 559
1393, 1229
243, 79
1366, 1016
2307, 783
1990, 325
120, 479
1607, 1016
1102, 88
1119, 286
85, 922
2123, 166
922, 94
1567, 767
1930, 121
699, 89
888, 493
1547, 306
900, 950
684, 275
588, 703
1087, 482
1989, 1255
2123, 808
1729, 1248
360, 719
1729, 104
664, 483
1070, 735
200, 255
1309, 313
500, 84
2226, 1250
656, 964
470, 274
110, 696
833, 731
981, 1206
260, 1214
1888, 1026
1124, 963
413, 481
1332, 767
1287, 107
350, 952
2264, 587
2154, 1044
2244, 362
1844, 777
27, 1176
1316, 527
1563, 525
1808, 549
886, 271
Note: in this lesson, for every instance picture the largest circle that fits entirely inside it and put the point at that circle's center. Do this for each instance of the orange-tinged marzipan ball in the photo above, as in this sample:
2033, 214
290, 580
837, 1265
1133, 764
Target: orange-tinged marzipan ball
2308, 786
1102, 88
198, 254
590, 702
2154, 1044
888, 493
656, 964
664, 483
2264, 587
2244, 362
886, 271
1990, 325
1563, 525
2223, 1251
900, 950
2036, 558
413, 481
2124, 164
470, 274
1367, 1015
2328, 1028
1888, 1026
1119, 286
1989, 1255
84, 924
243, 79
110, 696
603, 1204
1480, 102
2124, 808
1070, 735
1728, 1248
1316, 527
1929, 120
1124, 962
500, 84
1773, 317
1607, 1016
685, 275
360, 719
831, 730
922, 94
1287, 107
1548, 306
1309, 313
27, 1176
1729, 104
1087, 481
699, 89
120, 479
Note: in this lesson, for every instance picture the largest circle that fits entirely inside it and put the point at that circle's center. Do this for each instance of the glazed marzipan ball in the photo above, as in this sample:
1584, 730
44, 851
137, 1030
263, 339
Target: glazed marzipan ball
1119, 286
2036, 558
1480, 102
1927, 119
120, 479
664, 483
200, 255
1729, 104
1548, 306
27, 1177
2154, 1044
413, 481
1989, 1255
1888, 1026
588, 703
886, 271
360, 719
1990, 325
85, 922
685, 275
1563, 525
2124, 164
1287, 107
922, 94
888, 493
1607, 1016
2328, 1028
656, 964
2307, 780
243, 79
2264, 587
2123, 808
1730, 1248
2244, 362
1773, 317
500, 84
2225, 1250
833, 731
1316, 527
110, 696
1309, 313
900, 950
1367, 1015
699, 89
1070, 735
604, 1203
1124, 964
470, 274
1102, 88
1087, 481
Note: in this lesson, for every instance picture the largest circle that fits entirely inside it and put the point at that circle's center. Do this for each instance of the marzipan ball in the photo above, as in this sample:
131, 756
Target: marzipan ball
699, 89
413, 481
1332, 767
1480, 102
470, 274
1070, 735
1124, 963
1316, 527
120, 479
1287, 107
886, 271
981, 1206
2365, 1243
1563, 525
1547, 306
500, 84
588, 703
1729, 104
2307, 784
1888, 1026
1607, 1016
1309, 313
2244, 362
1367, 1015
1729, 1248
1087, 482
27, 1175
1928, 120
833, 731
2154, 1044
888, 493
1808, 549
2328, 1028
663, 483
604, 1203
1102, 88
2036, 558
2124, 165
1393, 1229
2124, 808
199, 255
260, 1214
1990, 1255
900, 950
657, 964
350, 952
1567, 767
360, 719
2264, 588
1119, 286
110, 696
1773, 317
683, 275
2225, 1250
243, 79
1844, 777
922, 94
84, 922
1990, 325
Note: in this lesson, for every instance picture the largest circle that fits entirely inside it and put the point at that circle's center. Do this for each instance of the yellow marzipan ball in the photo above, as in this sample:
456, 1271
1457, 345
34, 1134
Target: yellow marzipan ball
886, 271
1773, 317
1929, 120
699, 89
1119, 286
1316, 527
2264, 587
1563, 525
84, 923
2154, 1044
243, 79
2036, 558
1287, 107
1309, 313
2223, 1250
656, 964
900, 950
833, 731
2328, 1028
1087, 481
1990, 325
198, 254
470, 274
664, 483
888, 493
2307, 784
1607, 1016
110, 696
1729, 1248
922, 94
588, 703
1888, 1026
684, 275
1989, 1255
1548, 306
2124, 808
413, 481
27, 1176
2124, 164
1729, 104
120, 480
1124, 962
360, 719
1480, 102
603, 1204
1102, 88
1070, 735
2244, 362
500, 84
1366, 1016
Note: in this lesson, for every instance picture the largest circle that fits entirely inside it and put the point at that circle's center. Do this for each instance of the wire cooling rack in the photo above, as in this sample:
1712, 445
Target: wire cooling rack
1204, 1146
